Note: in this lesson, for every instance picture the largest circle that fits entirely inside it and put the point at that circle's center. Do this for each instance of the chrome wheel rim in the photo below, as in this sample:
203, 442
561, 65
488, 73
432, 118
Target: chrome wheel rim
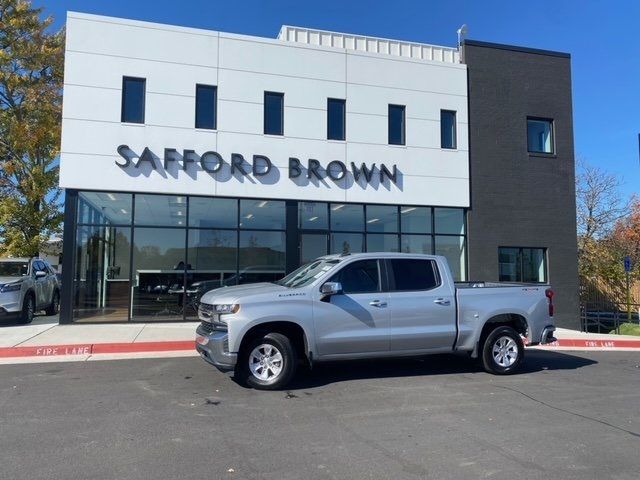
265, 362
505, 351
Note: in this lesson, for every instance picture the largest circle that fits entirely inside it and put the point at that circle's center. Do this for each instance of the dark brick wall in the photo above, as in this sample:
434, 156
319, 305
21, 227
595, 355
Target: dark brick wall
520, 199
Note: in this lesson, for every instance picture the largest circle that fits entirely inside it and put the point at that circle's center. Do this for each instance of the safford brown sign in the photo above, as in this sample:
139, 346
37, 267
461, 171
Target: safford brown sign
256, 165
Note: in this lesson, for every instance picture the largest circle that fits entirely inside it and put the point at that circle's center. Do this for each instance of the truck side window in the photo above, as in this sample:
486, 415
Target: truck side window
413, 275
359, 277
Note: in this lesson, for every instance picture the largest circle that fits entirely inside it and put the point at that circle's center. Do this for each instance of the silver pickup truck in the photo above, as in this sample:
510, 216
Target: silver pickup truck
368, 305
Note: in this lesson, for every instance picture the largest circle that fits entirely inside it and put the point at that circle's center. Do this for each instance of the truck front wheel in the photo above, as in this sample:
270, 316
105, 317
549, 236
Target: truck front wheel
503, 351
268, 362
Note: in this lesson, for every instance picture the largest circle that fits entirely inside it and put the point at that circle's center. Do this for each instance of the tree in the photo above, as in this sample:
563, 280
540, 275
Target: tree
31, 72
599, 206
625, 238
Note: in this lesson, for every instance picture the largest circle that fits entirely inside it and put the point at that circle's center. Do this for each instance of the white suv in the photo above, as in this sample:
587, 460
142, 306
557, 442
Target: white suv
27, 286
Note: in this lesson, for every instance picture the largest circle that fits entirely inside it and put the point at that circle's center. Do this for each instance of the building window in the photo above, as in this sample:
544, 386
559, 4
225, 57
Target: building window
156, 263
353, 228
540, 135
336, 109
133, 93
518, 264
396, 125
448, 137
206, 106
273, 113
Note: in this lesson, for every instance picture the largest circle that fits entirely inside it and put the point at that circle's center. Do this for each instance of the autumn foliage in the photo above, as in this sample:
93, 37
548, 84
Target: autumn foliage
31, 72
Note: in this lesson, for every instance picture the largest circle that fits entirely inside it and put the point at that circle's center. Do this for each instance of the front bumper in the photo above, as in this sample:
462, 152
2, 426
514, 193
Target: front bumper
547, 335
10, 303
213, 347
9, 314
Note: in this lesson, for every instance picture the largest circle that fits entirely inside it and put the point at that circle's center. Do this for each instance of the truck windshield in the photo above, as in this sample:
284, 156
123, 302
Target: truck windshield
13, 269
308, 273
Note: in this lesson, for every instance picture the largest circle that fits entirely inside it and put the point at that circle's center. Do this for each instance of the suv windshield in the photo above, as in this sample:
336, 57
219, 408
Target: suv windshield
308, 273
13, 269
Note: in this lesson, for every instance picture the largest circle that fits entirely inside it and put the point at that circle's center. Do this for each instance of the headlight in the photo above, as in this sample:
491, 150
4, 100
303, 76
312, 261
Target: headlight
11, 287
226, 308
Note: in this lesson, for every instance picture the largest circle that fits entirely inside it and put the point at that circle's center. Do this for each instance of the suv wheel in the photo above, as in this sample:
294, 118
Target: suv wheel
268, 362
28, 309
54, 306
503, 351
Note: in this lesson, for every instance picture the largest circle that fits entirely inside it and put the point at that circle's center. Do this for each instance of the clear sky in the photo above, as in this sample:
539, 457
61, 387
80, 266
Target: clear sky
601, 36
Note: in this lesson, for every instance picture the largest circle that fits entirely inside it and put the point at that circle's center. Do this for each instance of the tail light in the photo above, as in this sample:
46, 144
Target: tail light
549, 294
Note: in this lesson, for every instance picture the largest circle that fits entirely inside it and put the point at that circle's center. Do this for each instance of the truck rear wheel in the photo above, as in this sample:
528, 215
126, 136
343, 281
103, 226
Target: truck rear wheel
503, 351
268, 362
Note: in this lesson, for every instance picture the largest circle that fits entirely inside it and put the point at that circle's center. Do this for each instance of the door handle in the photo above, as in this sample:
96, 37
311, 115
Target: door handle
442, 301
378, 303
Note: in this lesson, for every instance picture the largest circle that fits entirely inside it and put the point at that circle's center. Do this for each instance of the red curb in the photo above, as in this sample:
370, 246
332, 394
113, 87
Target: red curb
143, 347
46, 350
585, 343
188, 345
96, 348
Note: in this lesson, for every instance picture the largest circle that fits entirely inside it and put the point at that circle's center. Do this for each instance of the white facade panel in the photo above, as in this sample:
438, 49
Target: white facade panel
107, 72
101, 50
148, 41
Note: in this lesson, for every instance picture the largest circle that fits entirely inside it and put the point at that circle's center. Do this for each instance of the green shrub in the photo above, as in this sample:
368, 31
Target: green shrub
629, 329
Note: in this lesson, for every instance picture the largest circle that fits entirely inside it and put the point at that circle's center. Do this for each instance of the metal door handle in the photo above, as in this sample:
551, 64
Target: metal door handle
442, 301
378, 303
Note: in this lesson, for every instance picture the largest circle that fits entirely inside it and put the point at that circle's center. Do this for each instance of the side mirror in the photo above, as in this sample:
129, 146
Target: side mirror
41, 274
331, 288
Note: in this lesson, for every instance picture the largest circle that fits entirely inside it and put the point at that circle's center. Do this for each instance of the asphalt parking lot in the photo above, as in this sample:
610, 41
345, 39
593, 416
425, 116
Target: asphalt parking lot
569, 415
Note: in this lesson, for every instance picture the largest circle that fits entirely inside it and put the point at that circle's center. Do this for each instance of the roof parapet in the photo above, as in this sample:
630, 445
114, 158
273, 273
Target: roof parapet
361, 43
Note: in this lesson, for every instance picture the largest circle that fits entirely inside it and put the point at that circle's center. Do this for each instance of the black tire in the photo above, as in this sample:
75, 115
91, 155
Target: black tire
272, 342
54, 306
28, 309
502, 351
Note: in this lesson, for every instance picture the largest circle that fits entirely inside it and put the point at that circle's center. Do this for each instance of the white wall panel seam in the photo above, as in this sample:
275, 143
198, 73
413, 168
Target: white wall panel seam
280, 75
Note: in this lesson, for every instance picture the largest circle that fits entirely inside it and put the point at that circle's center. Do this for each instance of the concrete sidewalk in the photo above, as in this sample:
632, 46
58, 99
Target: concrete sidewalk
46, 340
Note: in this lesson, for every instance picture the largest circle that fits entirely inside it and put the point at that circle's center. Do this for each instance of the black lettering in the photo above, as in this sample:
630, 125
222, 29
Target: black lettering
313, 167
169, 156
294, 168
237, 162
267, 166
384, 171
187, 158
215, 157
357, 172
127, 160
332, 170
146, 156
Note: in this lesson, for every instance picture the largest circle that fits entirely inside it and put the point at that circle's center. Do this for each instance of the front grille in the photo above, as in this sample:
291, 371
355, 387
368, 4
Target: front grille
205, 311
207, 327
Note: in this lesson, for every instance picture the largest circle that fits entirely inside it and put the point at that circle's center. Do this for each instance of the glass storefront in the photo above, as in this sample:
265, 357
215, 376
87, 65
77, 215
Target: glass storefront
146, 257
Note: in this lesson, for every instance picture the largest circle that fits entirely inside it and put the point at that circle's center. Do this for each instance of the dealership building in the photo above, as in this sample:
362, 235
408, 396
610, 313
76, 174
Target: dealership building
194, 159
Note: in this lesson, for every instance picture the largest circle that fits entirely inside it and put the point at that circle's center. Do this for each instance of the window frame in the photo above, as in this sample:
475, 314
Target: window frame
343, 102
403, 130
142, 80
545, 264
552, 131
215, 106
391, 280
454, 143
264, 113
382, 276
